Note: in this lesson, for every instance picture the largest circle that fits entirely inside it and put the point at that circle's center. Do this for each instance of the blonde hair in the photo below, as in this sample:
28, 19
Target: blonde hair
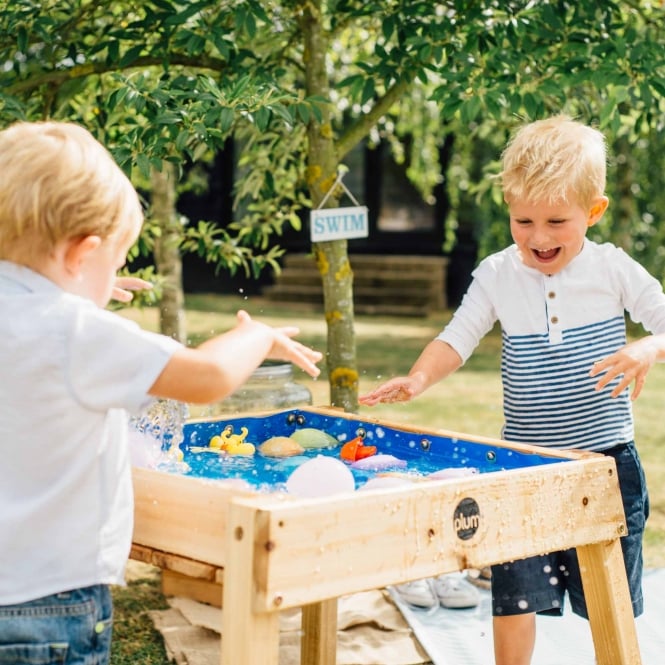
556, 160
58, 182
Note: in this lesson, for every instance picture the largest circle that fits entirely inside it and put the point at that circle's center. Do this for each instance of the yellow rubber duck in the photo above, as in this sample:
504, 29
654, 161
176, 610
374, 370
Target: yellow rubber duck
235, 444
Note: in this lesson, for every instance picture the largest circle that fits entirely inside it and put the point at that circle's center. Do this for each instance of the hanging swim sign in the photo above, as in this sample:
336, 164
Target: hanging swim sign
338, 223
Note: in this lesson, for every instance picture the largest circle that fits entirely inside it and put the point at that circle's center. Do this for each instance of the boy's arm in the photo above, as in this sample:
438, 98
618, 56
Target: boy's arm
643, 298
437, 360
213, 370
633, 361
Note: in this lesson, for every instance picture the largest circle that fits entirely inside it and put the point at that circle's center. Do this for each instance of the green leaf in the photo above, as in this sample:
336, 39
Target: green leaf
316, 112
283, 112
200, 149
112, 51
658, 86
130, 55
470, 109
606, 113
221, 44
493, 106
167, 118
181, 141
388, 27
368, 91
645, 94
262, 118
250, 25
183, 16
22, 39
620, 94
195, 44
226, 118
258, 11
116, 98
303, 112
531, 105
350, 81
143, 164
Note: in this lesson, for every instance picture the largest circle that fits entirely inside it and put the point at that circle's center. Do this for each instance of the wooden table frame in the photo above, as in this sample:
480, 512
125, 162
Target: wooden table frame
280, 553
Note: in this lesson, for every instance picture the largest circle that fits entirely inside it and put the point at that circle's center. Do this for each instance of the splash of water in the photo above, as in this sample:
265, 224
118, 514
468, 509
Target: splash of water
161, 426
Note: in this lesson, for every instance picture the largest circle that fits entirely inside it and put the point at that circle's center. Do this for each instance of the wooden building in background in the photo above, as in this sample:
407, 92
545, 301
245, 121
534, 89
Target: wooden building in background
400, 268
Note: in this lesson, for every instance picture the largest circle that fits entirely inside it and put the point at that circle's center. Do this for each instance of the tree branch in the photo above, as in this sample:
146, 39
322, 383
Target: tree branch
359, 130
59, 77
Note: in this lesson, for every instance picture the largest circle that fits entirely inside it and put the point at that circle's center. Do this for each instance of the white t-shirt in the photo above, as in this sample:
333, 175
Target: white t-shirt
69, 374
554, 327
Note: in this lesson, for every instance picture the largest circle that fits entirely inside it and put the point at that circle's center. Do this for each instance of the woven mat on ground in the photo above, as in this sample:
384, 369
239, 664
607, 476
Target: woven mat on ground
370, 631
464, 637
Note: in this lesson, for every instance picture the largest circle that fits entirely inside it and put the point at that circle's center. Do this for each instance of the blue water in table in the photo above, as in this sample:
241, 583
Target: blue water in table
423, 453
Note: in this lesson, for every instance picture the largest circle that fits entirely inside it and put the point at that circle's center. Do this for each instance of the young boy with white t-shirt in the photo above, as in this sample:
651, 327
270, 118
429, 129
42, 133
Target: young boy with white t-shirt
70, 373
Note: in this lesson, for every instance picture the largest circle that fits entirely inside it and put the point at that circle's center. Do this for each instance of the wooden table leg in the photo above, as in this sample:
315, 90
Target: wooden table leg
248, 637
608, 603
319, 633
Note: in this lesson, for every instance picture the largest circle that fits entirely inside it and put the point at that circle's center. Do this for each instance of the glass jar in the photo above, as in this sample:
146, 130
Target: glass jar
270, 387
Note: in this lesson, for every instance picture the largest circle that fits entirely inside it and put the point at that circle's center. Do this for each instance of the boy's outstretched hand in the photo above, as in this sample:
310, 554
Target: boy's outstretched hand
285, 348
633, 361
122, 290
399, 389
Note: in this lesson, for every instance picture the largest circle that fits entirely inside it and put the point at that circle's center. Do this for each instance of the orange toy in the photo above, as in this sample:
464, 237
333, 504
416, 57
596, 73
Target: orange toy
354, 450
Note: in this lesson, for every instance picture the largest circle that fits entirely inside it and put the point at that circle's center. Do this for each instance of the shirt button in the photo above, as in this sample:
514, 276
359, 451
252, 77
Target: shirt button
551, 294
99, 627
555, 319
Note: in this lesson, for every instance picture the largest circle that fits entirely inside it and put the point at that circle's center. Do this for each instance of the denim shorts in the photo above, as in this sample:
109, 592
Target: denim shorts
70, 628
538, 584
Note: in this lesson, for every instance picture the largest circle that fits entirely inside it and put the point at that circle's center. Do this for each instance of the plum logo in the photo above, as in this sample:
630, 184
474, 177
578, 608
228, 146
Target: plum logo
466, 518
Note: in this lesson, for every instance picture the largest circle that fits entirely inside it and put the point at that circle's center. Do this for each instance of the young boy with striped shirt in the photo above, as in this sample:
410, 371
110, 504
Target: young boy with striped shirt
566, 365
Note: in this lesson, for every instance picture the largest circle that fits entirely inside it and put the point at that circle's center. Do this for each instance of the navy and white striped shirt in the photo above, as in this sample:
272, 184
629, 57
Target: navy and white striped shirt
554, 327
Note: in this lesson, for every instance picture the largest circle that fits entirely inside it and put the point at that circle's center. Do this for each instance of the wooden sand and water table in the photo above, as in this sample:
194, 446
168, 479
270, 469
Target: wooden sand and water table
270, 551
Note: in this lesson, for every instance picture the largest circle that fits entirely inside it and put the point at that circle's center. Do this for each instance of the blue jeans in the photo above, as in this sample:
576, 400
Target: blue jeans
538, 584
70, 628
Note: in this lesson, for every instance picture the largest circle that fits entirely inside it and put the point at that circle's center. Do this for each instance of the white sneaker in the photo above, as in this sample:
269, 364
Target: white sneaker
455, 591
418, 593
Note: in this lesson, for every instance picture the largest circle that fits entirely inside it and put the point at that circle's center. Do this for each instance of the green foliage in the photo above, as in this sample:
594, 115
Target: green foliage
172, 80
157, 81
217, 246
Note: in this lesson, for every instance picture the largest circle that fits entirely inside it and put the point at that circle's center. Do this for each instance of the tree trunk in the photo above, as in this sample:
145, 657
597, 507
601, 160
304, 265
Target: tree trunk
331, 257
627, 212
167, 254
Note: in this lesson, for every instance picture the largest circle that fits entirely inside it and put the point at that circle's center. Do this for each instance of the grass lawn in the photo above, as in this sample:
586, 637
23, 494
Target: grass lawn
468, 401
